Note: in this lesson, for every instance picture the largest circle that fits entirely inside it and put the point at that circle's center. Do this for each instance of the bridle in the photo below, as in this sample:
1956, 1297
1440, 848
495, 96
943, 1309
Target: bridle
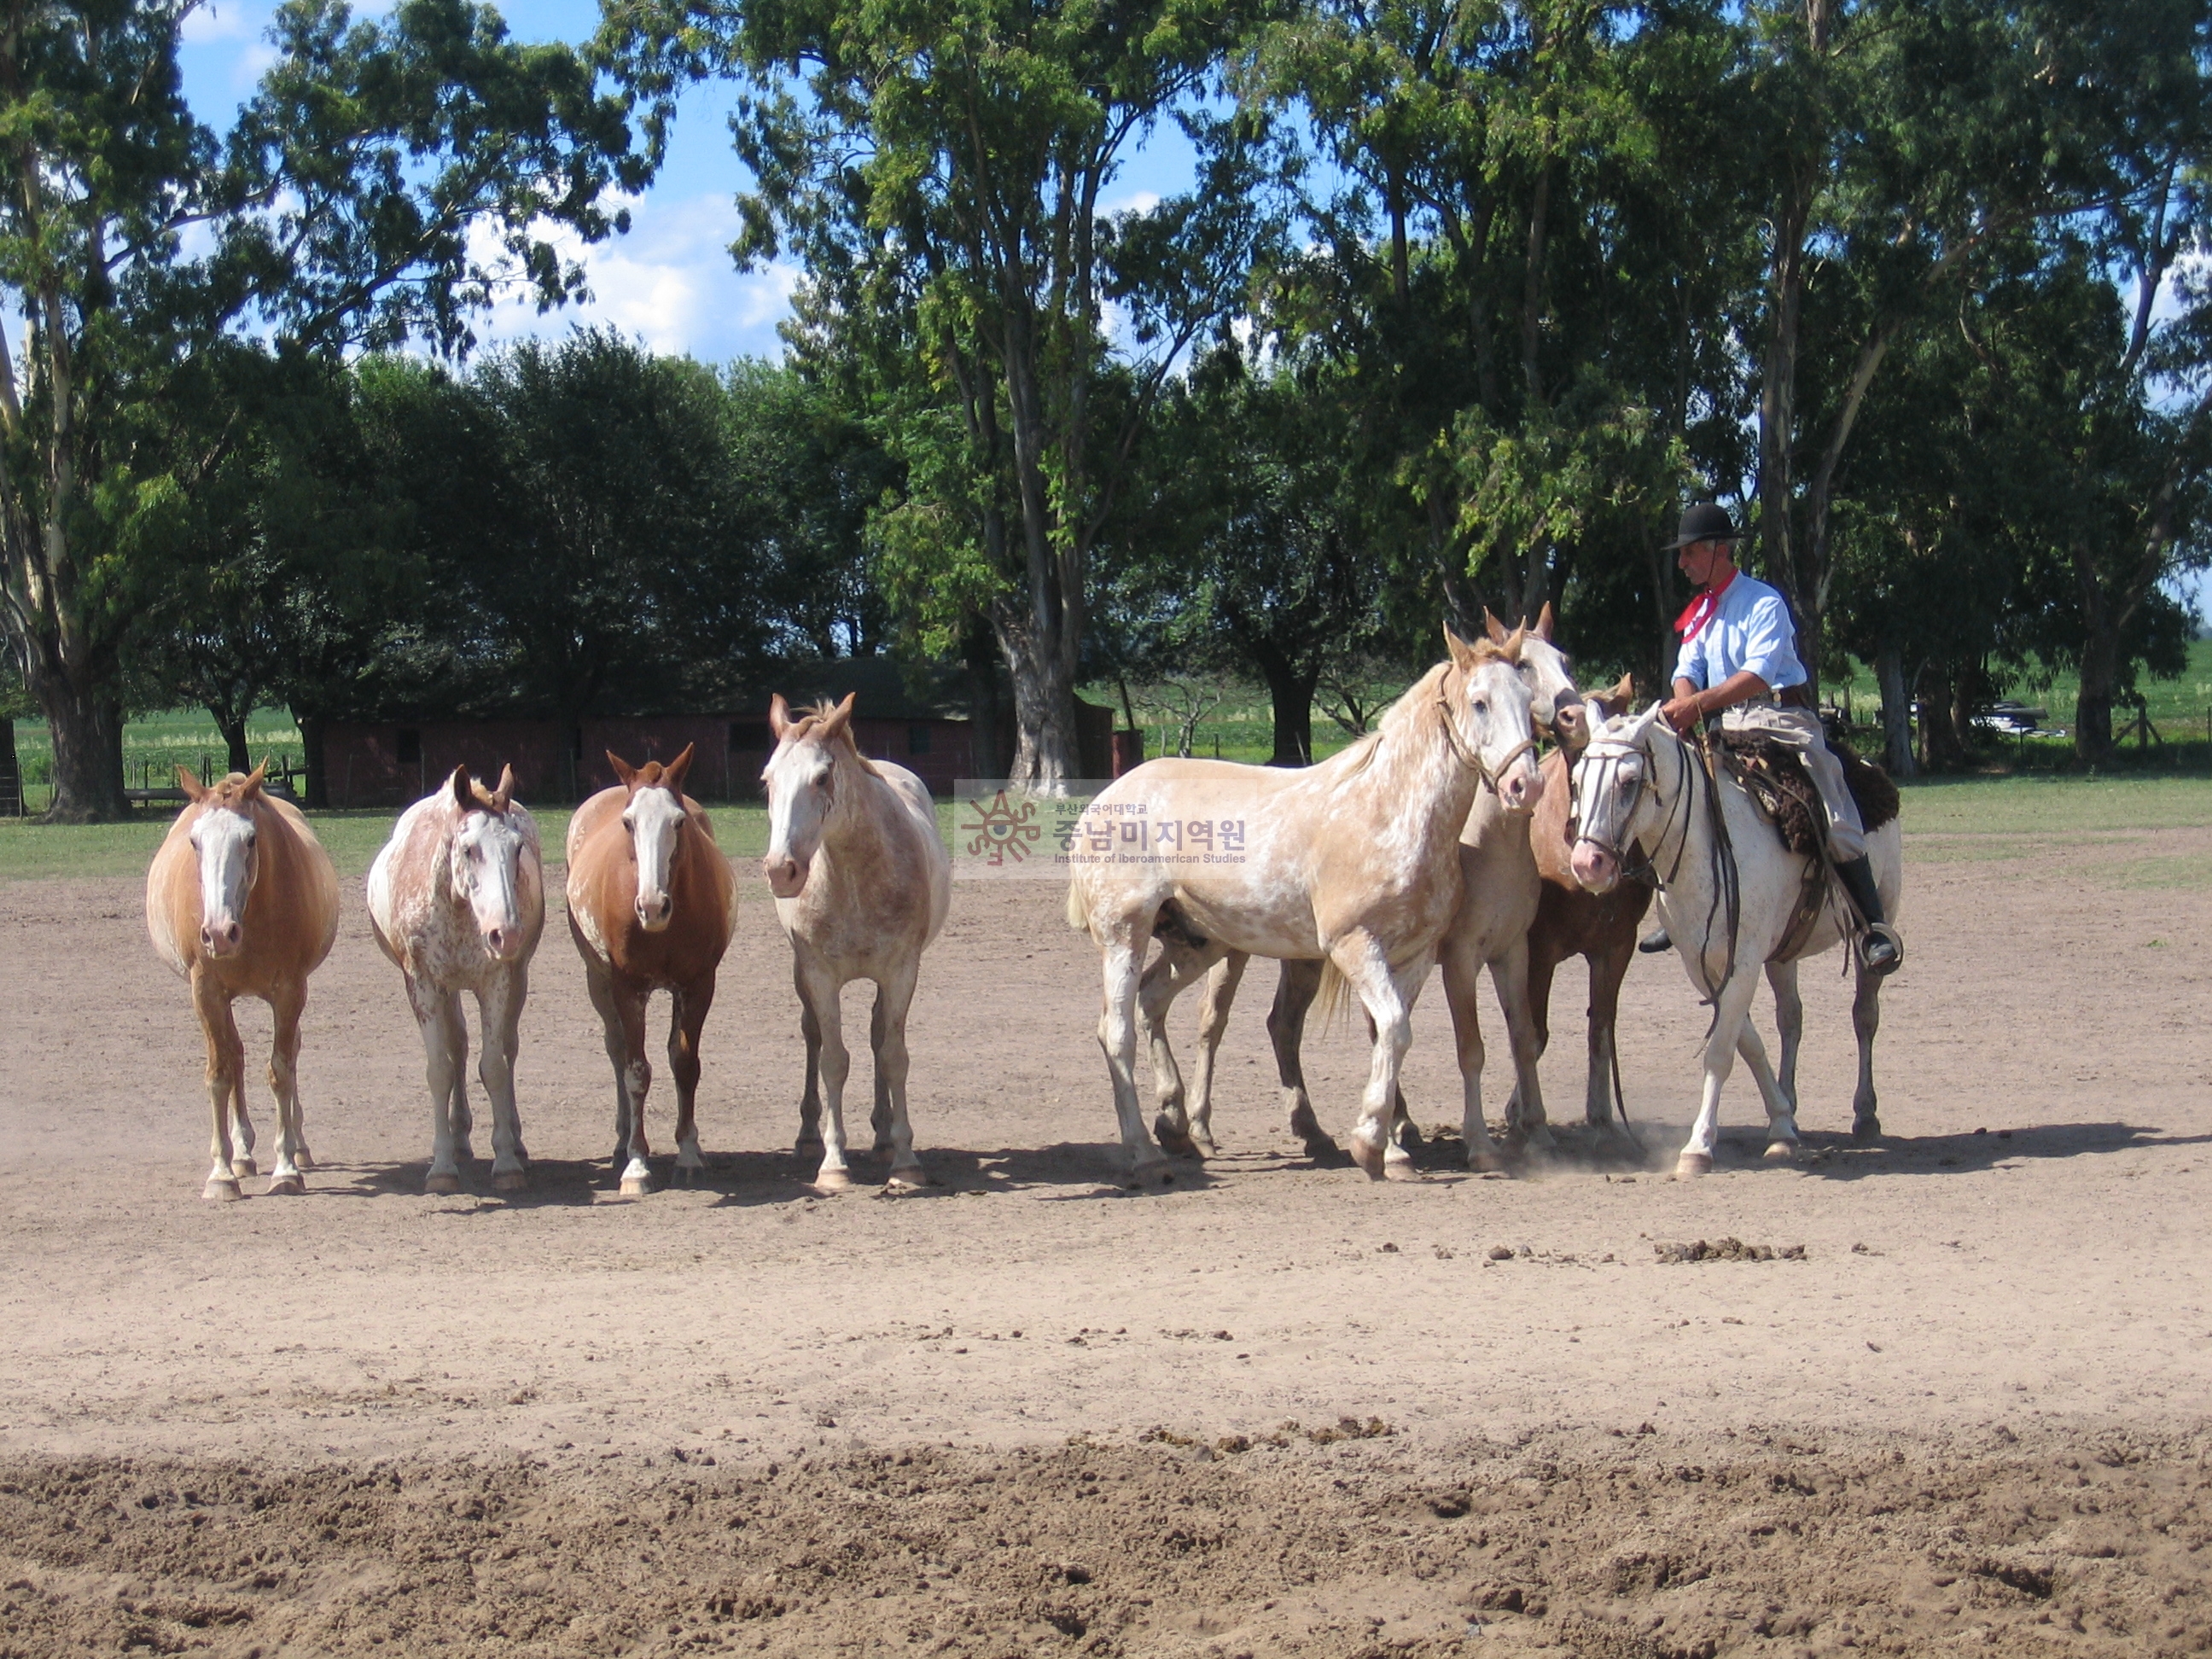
1635, 863
1484, 776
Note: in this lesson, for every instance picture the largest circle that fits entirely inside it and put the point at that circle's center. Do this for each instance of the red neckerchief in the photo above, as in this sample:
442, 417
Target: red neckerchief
1699, 611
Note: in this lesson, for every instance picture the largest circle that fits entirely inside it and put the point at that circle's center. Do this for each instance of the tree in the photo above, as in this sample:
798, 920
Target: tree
384, 180
946, 169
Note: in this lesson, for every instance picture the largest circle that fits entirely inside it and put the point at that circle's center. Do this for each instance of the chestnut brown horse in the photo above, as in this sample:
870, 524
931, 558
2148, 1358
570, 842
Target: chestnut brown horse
242, 901
651, 906
457, 900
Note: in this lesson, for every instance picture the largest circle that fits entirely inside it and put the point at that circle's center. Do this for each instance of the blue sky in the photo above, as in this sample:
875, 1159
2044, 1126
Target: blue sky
669, 281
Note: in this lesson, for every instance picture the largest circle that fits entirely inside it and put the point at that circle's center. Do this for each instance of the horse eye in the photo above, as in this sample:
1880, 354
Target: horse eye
1480, 706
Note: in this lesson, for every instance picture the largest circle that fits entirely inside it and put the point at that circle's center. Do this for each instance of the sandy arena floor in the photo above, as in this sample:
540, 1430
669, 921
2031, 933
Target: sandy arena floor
1284, 1411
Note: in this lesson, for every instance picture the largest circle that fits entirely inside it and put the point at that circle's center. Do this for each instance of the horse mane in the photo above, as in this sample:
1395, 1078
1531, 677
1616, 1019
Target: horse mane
817, 714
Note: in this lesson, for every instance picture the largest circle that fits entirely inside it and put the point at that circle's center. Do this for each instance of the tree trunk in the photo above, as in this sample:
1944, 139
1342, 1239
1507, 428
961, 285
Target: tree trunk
1047, 756
2093, 707
313, 729
1946, 752
1896, 714
86, 729
990, 724
1292, 692
234, 740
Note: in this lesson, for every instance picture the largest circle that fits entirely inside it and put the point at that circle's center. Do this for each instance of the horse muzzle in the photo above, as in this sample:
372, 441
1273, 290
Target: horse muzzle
221, 939
653, 913
1595, 867
504, 943
1523, 788
786, 876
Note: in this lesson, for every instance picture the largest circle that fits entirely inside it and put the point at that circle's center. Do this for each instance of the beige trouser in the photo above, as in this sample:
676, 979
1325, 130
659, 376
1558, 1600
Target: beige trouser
1800, 729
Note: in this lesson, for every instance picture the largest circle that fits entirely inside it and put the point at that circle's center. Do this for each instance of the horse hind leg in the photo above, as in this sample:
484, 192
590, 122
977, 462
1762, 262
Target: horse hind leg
1286, 1025
894, 997
1164, 980
1781, 1111
285, 1083
1213, 1020
1463, 970
879, 1117
1866, 1021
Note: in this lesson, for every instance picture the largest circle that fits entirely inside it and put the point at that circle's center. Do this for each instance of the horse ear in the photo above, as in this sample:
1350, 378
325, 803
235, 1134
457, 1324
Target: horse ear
623, 771
502, 797
252, 787
464, 795
1462, 653
1649, 717
671, 775
190, 783
1617, 699
1509, 646
1544, 622
778, 716
1494, 628
841, 717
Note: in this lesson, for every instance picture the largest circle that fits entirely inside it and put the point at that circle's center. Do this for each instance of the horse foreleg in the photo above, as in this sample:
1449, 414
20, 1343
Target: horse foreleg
685, 1021
821, 995
287, 1003
810, 1102
499, 1008
1286, 1027
1220, 996
632, 1079
1122, 967
879, 1120
1509, 976
1388, 998
1463, 974
1161, 983
438, 1013
1731, 1010
894, 996
1781, 1111
1543, 962
211, 1002
1789, 1025
1866, 1020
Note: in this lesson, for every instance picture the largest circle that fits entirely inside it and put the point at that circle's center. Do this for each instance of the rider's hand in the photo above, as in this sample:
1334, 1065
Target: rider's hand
1681, 714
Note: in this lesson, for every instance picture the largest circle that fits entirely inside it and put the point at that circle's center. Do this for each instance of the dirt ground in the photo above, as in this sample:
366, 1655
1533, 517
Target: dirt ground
1277, 1409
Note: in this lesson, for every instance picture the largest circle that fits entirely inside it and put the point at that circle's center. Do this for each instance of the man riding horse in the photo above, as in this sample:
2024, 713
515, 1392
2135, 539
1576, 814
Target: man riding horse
1739, 661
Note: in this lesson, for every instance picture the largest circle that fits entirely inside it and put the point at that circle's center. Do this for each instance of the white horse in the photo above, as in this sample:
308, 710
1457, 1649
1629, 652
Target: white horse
1499, 890
457, 899
1640, 786
1349, 863
862, 882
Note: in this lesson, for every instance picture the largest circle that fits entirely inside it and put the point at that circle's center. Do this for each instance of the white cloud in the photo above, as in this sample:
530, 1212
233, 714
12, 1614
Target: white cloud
228, 19
1139, 201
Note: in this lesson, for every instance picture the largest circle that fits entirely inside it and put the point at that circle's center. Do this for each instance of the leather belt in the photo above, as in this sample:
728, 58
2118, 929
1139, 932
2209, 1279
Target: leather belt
1797, 697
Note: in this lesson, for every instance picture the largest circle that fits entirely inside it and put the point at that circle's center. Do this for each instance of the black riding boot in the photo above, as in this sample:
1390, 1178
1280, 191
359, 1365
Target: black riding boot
1881, 952
1655, 941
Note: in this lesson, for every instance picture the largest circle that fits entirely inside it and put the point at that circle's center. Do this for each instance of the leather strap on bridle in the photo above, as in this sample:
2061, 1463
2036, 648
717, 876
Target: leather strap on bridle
1483, 774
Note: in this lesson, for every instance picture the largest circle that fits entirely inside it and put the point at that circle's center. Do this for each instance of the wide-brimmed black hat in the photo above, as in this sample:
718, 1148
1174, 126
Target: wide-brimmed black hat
1708, 521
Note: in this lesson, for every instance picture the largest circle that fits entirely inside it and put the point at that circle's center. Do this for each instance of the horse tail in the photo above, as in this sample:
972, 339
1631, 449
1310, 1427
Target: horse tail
1078, 908
1333, 1002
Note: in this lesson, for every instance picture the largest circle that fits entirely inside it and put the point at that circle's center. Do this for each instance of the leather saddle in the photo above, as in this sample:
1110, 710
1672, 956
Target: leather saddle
1776, 781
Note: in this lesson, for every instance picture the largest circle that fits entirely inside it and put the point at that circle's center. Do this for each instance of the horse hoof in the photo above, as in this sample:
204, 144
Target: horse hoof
219, 1191
1486, 1163
833, 1180
303, 1159
1204, 1147
285, 1185
1865, 1128
1781, 1152
1321, 1149
1368, 1158
1693, 1163
1400, 1169
244, 1166
515, 1180
435, 1182
908, 1178
1538, 1143
1174, 1140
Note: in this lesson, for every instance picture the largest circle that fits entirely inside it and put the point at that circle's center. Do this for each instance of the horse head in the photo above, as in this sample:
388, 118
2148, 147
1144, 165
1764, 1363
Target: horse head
801, 776
653, 816
1554, 700
226, 835
483, 865
1614, 803
1486, 711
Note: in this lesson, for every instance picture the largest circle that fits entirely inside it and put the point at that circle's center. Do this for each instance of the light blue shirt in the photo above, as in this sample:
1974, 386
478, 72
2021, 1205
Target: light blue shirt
1749, 628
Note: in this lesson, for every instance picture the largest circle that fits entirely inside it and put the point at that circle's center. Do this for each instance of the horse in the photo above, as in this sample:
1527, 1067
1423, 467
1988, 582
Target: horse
242, 901
1729, 894
457, 900
862, 882
1499, 895
652, 905
1345, 862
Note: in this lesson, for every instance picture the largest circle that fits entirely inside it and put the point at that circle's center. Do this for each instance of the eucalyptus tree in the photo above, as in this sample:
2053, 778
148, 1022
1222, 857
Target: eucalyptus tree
384, 180
949, 165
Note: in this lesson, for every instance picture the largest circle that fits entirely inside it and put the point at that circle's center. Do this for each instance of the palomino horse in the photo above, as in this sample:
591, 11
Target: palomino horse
457, 899
862, 881
1729, 904
1348, 862
651, 906
242, 900
1499, 890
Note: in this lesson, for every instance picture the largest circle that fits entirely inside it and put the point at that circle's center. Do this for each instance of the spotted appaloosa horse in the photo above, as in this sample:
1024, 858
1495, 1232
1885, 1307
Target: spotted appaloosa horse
457, 899
1350, 862
242, 901
862, 882
651, 906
